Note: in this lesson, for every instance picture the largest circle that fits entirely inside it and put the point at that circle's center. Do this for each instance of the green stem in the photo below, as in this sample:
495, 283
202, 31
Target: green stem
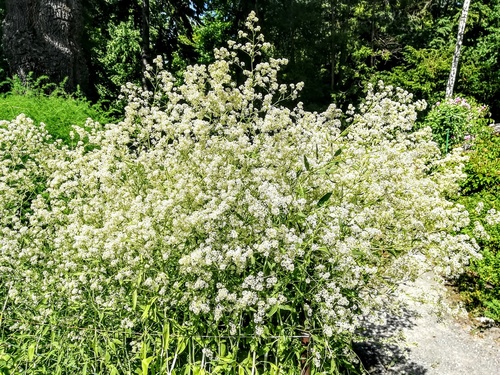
447, 140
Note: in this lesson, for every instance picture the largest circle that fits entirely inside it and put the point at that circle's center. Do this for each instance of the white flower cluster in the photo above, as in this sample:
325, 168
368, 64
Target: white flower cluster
493, 217
212, 201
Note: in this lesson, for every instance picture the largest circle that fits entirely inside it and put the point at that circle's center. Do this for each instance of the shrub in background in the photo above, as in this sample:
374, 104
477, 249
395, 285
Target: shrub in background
48, 103
454, 121
215, 230
480, 285
467, 122
483, 166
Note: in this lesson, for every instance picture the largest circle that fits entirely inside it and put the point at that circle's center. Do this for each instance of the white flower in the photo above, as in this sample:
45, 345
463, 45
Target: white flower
212, 202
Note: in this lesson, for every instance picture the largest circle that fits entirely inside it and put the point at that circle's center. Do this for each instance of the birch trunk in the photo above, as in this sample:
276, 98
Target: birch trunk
456, 55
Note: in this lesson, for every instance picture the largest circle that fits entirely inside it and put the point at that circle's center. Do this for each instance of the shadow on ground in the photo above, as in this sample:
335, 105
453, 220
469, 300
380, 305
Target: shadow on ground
382, 349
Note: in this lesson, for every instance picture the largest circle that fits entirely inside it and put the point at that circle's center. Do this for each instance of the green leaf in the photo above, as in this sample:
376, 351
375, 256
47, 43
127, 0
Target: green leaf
145, 364
222, 349
220, 370
272, 311
337, 153
31, 352
286, 307
181, 345
134, 299
306, 164
147, 308
166, 334
324, 199
392, 252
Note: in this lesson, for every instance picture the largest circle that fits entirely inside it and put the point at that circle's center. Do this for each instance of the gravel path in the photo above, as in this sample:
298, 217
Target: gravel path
424, 340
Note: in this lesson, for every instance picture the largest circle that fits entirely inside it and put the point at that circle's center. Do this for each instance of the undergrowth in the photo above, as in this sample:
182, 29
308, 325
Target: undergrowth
480, 284
463, 123
49, 103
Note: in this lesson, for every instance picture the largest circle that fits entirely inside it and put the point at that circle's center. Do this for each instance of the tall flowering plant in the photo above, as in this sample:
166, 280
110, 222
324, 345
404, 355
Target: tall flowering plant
215, 230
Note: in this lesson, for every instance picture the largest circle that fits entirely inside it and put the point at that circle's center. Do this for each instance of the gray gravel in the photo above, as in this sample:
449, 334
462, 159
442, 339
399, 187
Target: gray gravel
430, 340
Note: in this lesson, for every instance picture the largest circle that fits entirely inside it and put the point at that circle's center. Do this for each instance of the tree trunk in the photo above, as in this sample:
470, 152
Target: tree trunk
45, 37
333, 52
456, 55
145, 40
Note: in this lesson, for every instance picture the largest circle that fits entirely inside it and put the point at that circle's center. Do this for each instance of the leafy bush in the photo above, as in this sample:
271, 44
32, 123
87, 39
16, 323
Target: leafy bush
49, 104
215, 230
466, 123
480, 285
483, 166
453, 121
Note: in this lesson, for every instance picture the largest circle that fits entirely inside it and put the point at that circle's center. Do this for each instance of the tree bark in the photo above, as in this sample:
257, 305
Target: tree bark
45, 37
145, 55
456, 55
333, 52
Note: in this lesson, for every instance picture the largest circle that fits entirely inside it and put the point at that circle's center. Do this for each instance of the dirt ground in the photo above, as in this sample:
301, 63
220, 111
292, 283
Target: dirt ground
425, 339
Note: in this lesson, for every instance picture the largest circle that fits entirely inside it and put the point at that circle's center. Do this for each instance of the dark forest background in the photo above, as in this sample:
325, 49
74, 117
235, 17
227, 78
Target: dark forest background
335, 46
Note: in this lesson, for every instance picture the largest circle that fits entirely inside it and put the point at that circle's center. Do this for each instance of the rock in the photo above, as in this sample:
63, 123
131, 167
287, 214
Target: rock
496, 128
485, 322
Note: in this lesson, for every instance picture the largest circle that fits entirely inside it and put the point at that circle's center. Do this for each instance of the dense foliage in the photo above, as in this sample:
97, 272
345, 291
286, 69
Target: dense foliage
334, 46
50, 104
455, 122
480, 285
459, 123
483, 168
215, 230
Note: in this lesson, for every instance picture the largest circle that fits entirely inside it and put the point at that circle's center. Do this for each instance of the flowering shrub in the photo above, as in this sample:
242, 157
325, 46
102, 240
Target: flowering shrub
455, 121
217, 231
